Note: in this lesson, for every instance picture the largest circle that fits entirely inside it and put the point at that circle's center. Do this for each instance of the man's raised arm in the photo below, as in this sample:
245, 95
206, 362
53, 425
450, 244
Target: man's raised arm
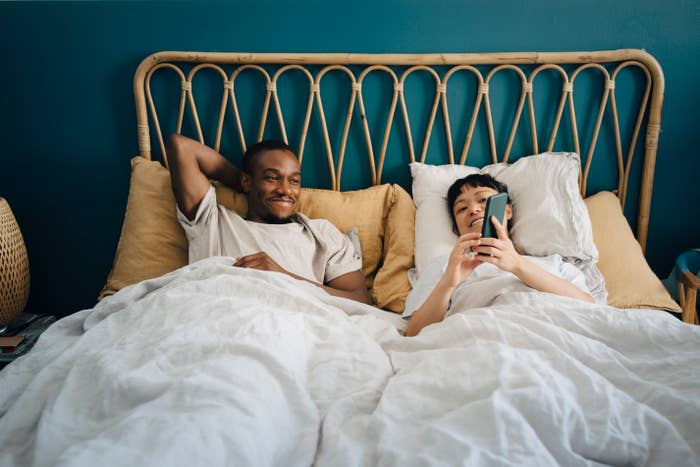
191, 165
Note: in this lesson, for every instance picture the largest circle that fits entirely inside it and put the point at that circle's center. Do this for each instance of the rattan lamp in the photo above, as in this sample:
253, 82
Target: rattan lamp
14, 266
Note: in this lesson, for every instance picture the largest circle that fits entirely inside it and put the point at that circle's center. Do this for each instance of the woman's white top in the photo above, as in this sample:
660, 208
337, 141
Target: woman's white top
486, 282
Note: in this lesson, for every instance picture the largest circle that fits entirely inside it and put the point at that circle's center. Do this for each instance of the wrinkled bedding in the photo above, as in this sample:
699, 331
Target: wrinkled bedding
215, 365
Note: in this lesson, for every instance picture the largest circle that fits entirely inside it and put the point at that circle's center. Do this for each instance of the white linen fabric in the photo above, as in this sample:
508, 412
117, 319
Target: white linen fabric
550, 216
207, 365
216, 365
311, 248
354, 237
535, 379
486, 283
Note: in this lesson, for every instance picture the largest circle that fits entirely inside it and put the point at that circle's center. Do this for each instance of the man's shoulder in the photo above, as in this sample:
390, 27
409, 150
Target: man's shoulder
318, 223
320, 227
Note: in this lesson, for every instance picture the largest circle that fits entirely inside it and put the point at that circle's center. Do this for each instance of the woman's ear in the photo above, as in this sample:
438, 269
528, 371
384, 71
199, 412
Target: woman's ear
508, 217
245, 182
509, 211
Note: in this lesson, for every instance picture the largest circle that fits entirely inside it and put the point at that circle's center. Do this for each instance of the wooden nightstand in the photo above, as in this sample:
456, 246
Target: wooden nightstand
687, 265
30, 327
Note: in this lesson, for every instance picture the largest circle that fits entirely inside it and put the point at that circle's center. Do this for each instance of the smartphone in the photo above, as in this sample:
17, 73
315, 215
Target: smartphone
495, 206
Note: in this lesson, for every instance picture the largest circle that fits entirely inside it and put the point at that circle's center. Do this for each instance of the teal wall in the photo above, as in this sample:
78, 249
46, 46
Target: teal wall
67, 112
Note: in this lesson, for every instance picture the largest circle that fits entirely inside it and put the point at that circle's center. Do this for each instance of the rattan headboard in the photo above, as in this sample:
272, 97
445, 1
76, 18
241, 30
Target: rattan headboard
441, 67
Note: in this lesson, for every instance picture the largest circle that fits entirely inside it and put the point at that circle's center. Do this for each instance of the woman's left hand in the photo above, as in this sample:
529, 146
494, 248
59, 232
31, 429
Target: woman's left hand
500, 251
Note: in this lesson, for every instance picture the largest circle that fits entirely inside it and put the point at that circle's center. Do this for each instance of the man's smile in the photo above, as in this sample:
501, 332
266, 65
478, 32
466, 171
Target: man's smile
285, 201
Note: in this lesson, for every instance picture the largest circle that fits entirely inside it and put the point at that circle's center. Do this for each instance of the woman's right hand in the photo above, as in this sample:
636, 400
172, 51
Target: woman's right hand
463, 259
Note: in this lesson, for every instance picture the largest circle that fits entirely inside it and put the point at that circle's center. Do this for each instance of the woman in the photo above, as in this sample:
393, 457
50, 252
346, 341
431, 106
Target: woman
481, 268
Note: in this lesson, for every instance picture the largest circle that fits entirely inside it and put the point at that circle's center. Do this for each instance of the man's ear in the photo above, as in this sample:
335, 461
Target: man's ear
246, 182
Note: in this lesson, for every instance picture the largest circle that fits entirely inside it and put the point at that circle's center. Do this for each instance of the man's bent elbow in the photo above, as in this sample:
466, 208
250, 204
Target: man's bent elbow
175, 147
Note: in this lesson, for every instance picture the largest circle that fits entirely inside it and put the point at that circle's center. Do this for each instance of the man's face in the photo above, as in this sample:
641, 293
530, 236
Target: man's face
273, 187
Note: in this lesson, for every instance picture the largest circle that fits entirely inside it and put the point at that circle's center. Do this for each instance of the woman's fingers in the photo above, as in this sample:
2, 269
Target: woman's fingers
491, 259
469, 239
489, 250
500, 229
494, 242
466, 243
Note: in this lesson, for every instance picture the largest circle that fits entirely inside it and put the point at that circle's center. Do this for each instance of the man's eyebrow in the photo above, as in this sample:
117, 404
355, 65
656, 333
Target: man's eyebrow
277, 172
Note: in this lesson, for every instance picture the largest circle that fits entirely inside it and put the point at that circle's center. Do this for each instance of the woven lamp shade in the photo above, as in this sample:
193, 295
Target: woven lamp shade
14, 266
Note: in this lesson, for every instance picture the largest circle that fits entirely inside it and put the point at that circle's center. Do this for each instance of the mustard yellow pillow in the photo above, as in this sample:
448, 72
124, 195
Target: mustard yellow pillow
391, 285
630, 281
152, 242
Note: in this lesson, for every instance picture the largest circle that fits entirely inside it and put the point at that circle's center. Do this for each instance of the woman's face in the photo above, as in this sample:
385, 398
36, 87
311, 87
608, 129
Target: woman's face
469, 207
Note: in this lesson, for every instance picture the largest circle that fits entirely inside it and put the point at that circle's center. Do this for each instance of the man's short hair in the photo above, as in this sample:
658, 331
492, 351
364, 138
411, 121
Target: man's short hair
262, 146
471, 181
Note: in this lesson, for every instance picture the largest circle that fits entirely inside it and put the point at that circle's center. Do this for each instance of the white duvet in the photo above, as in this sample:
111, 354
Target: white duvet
215, 365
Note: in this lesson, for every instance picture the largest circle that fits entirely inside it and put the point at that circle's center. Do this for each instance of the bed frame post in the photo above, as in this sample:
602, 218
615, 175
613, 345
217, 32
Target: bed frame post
651, 145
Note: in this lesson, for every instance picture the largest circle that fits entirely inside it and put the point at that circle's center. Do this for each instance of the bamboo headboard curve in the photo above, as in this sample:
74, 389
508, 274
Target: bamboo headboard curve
441, 67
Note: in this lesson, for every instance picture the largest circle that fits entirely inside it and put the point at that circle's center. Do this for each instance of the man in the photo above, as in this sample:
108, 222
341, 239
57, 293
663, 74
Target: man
273, 236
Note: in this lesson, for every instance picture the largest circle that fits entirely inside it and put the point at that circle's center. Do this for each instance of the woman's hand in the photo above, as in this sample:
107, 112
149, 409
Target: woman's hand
463, 260
500, 250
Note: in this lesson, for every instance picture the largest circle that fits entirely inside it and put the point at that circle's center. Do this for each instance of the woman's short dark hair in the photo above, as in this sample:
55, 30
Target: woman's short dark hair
262, 146
471, 181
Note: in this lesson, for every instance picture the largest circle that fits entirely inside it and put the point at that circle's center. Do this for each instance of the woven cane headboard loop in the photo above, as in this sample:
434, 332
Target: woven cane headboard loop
482, 89
623, 173
234, 104
376, 171
566, 88
154, 113
309, 106
337, 173
193, 105
516, 118
599, 119
433, 111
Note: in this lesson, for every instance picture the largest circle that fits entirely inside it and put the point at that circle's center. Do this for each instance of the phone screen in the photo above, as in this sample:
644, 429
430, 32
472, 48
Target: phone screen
495, 206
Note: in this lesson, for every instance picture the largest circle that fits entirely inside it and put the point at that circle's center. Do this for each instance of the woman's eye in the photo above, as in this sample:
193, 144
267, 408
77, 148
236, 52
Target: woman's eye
483, 200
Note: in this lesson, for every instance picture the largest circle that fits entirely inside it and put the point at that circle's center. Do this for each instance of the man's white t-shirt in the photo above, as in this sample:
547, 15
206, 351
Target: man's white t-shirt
486, 282
311, 248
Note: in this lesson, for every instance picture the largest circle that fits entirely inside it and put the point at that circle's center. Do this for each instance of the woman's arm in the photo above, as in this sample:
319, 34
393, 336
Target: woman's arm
462, 262
534, 276
432, 310
502, 254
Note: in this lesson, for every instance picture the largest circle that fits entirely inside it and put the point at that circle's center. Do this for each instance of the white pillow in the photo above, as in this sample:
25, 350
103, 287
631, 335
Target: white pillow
549, 215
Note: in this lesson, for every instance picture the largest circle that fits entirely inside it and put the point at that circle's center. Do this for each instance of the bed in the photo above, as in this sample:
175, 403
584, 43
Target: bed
205, 364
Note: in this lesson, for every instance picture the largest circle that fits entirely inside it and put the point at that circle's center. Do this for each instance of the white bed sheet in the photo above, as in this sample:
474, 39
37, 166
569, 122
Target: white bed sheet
214, 365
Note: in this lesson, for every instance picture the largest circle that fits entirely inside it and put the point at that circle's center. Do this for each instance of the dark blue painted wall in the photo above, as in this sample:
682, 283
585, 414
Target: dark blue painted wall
68, 125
